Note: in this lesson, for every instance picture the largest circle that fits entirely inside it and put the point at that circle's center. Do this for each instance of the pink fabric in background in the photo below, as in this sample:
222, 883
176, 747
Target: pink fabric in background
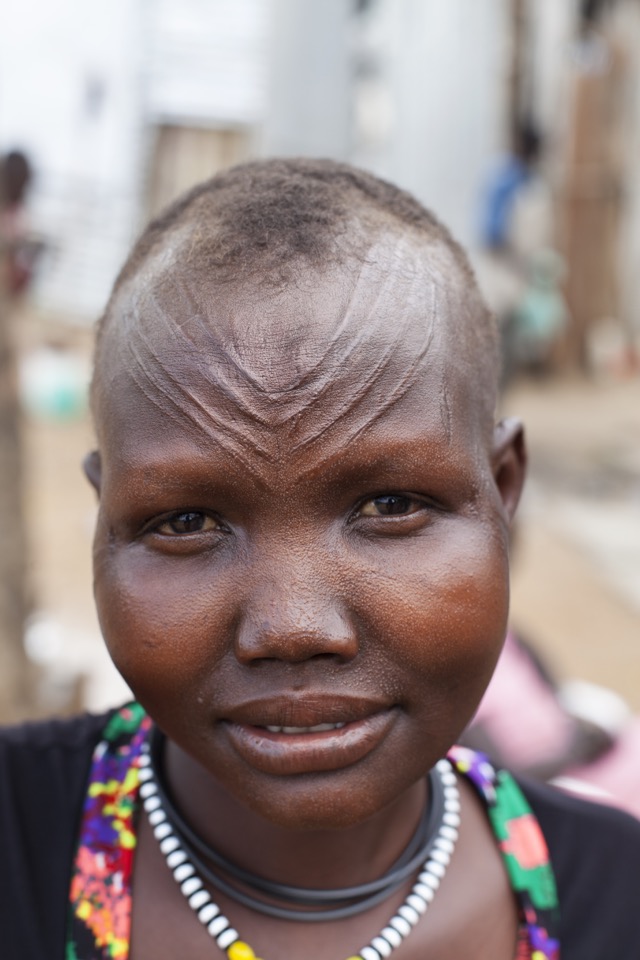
617, 773
520, 713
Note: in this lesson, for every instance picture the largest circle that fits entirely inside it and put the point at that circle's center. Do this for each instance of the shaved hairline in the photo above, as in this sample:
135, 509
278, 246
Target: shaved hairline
263, 222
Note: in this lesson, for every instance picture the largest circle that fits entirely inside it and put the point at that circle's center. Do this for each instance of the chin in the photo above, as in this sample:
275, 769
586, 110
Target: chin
318, 802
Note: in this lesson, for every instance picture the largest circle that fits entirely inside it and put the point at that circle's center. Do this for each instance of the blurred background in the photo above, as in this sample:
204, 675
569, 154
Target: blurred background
516, 121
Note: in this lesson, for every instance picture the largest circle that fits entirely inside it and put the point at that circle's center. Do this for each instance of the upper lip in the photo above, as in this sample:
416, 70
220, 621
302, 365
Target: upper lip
303, 710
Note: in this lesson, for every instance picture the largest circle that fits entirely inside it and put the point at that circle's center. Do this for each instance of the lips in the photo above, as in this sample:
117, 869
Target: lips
311, 735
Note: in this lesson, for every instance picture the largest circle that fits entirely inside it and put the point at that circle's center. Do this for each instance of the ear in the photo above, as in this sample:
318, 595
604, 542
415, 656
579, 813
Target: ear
509, 462
93, 469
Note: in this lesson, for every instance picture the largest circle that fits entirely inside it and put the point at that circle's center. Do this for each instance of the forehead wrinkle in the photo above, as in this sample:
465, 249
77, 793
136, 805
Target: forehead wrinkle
325, 379
179, 330
144, 364
226, 375
400, 248
212, 373
365, 327
358, 398
338, 338
196, 335
307, 374
197, 319
307, 403
152, 376
179, 413
404, 320
246, 401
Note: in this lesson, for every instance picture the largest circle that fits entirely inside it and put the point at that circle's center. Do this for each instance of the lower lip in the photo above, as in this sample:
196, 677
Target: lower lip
286, 754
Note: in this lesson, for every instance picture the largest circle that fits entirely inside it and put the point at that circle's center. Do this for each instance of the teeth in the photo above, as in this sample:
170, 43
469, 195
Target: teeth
319, 728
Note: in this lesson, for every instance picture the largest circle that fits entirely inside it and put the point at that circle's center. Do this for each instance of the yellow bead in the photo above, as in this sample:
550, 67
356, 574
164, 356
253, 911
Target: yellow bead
355, 958
240, 951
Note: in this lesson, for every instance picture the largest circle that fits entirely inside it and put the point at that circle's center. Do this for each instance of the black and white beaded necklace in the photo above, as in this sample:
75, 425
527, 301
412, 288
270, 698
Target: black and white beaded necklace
188, 857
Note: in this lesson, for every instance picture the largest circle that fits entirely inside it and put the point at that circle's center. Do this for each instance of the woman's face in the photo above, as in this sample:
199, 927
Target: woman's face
301, 553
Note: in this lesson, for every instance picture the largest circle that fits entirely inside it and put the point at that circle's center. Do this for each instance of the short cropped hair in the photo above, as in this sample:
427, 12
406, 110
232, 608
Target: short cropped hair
263, 220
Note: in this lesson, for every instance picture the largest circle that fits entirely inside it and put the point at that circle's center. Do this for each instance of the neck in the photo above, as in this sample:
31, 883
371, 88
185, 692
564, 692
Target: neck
318, 858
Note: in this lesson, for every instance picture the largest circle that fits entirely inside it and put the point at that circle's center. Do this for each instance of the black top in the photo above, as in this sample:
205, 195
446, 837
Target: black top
595, 851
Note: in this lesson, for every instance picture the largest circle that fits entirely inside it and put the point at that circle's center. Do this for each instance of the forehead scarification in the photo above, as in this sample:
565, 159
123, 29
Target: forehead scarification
267, 224
257, 371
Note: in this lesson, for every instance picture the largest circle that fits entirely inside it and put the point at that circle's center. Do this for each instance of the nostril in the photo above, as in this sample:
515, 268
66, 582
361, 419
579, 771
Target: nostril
331, 638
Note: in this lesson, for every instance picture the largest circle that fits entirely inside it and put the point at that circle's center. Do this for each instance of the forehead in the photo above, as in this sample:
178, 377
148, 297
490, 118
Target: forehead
337, 346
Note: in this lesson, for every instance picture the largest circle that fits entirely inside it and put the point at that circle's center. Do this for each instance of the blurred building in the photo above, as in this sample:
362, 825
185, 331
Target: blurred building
124, 103
121, 104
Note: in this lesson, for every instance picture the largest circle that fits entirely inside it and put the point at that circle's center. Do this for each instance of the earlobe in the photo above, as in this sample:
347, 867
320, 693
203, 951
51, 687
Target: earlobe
93, 469
509, 462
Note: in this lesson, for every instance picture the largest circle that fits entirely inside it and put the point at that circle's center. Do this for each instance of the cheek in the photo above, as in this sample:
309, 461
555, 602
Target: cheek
165, 625
446, 609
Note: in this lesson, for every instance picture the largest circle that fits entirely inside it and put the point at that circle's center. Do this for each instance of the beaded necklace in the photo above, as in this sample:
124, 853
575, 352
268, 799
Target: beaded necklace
437, 856
100, 892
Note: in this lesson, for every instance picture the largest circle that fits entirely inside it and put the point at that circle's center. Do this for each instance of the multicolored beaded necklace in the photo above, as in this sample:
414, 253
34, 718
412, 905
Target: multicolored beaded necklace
100, 893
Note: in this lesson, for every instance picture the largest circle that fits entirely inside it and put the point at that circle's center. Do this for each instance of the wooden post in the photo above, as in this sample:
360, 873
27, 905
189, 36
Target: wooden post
14, 666
517, 71
590, 201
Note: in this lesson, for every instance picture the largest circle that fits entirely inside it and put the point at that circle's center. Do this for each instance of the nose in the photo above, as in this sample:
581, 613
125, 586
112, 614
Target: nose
295, 618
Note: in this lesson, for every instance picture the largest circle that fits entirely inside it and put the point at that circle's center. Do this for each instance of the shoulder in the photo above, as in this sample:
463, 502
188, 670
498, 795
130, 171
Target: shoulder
43, 775
45, 734
48, 750
43, 771
43, 768
595, 852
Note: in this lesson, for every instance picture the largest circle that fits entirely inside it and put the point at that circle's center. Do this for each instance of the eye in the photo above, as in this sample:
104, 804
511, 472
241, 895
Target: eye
186, 522
390, 505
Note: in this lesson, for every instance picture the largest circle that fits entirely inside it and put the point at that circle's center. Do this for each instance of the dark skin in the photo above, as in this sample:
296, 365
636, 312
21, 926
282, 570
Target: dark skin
291, 541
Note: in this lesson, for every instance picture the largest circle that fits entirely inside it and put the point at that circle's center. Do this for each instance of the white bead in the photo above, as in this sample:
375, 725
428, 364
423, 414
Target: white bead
145, 774
162, 830
169, 844
409, 913
451, 819
207, 913
151, 803
191, 885
402, 925
418, 903
368, 953
383, 947
429, 880
436, 869
176, 858
227, 938
443, 766
144, 759
156, 817
442, 843
148, 789
451, 793
218, 925
441, 856
198, 899
449, 832
392, 936
452, 806
426, 893
183, 872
